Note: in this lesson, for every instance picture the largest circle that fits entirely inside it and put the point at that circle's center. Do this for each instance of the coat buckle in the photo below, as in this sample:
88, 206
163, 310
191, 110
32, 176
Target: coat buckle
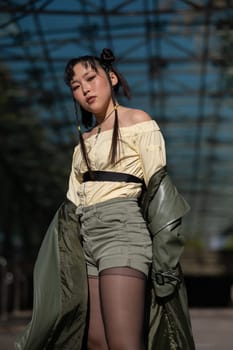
159, 278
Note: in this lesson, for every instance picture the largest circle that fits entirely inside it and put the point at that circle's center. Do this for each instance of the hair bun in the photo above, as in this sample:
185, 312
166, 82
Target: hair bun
107, 57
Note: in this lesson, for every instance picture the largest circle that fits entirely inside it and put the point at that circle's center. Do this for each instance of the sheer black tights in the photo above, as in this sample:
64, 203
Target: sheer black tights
116, 309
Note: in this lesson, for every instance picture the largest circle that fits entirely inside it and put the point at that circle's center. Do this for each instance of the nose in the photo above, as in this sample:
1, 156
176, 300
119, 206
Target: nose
85, 88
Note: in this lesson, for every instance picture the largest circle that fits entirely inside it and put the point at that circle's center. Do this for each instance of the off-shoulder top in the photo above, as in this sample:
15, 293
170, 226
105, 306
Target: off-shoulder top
141, 153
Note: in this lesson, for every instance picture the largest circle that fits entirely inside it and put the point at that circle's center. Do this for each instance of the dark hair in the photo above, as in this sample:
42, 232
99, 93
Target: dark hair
106, 62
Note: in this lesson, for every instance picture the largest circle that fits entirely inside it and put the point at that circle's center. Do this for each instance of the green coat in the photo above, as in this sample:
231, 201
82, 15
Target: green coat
60, 280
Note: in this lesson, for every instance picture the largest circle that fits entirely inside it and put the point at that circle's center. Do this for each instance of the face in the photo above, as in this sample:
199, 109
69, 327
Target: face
91, 88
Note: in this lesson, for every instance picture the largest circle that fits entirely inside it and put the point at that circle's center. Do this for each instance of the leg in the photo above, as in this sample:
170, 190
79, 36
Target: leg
122, 292
96, 335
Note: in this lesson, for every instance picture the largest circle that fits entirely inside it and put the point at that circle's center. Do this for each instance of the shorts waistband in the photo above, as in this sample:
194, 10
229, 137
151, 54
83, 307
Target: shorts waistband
84, 209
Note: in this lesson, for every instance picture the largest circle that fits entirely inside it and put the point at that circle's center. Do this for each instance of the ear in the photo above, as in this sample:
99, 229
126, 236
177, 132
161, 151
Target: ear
113, 78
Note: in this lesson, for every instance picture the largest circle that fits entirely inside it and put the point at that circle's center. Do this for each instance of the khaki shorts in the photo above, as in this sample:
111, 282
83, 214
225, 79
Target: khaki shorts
114, 234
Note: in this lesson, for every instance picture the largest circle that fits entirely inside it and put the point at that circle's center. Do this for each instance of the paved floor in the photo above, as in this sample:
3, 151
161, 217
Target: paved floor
213, 329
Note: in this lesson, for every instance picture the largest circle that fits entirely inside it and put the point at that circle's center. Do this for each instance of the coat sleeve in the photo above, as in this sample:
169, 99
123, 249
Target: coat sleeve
164, 212
169, 320
60, 288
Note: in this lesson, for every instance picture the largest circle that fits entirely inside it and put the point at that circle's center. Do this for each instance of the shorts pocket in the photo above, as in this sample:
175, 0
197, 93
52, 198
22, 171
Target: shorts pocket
116, 217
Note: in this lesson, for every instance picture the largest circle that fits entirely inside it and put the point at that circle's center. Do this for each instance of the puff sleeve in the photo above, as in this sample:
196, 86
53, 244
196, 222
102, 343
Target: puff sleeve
74, 184
151, 149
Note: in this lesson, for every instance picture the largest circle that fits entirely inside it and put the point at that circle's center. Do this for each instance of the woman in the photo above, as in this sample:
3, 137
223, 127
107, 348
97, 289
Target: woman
107, 274
116, 240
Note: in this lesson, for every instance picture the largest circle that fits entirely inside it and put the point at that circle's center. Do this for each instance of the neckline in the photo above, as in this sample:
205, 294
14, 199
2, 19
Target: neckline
120, 128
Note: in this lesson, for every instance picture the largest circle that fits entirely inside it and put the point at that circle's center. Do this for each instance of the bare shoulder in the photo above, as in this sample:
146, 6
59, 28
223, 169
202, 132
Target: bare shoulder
139, 116
131, 116
88, 134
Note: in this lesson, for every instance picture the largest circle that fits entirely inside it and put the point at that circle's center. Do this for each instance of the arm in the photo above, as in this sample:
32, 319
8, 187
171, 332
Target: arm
165, 210
73, 182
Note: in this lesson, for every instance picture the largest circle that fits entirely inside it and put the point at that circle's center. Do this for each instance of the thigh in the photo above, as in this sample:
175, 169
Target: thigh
96, 334
122, 292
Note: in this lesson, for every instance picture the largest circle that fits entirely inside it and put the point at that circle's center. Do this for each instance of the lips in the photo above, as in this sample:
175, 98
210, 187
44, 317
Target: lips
90, 99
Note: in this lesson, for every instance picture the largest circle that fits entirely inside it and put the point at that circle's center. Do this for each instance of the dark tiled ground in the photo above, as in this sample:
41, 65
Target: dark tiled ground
213, 329
11, 327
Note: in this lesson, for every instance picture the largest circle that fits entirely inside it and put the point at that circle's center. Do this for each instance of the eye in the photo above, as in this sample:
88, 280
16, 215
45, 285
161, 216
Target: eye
75, 87
91, 77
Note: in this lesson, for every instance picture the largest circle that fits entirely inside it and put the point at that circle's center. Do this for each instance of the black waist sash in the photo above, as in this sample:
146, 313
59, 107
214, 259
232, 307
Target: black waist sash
110, 176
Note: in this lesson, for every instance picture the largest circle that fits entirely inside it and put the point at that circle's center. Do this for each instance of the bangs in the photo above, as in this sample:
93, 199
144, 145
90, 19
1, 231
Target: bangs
88, 61
85, 61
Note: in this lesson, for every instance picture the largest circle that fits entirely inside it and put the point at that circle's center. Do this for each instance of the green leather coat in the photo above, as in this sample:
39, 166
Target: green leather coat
60, 281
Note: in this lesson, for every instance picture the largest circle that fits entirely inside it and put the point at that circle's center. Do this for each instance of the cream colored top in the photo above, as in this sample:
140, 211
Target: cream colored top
142, 153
